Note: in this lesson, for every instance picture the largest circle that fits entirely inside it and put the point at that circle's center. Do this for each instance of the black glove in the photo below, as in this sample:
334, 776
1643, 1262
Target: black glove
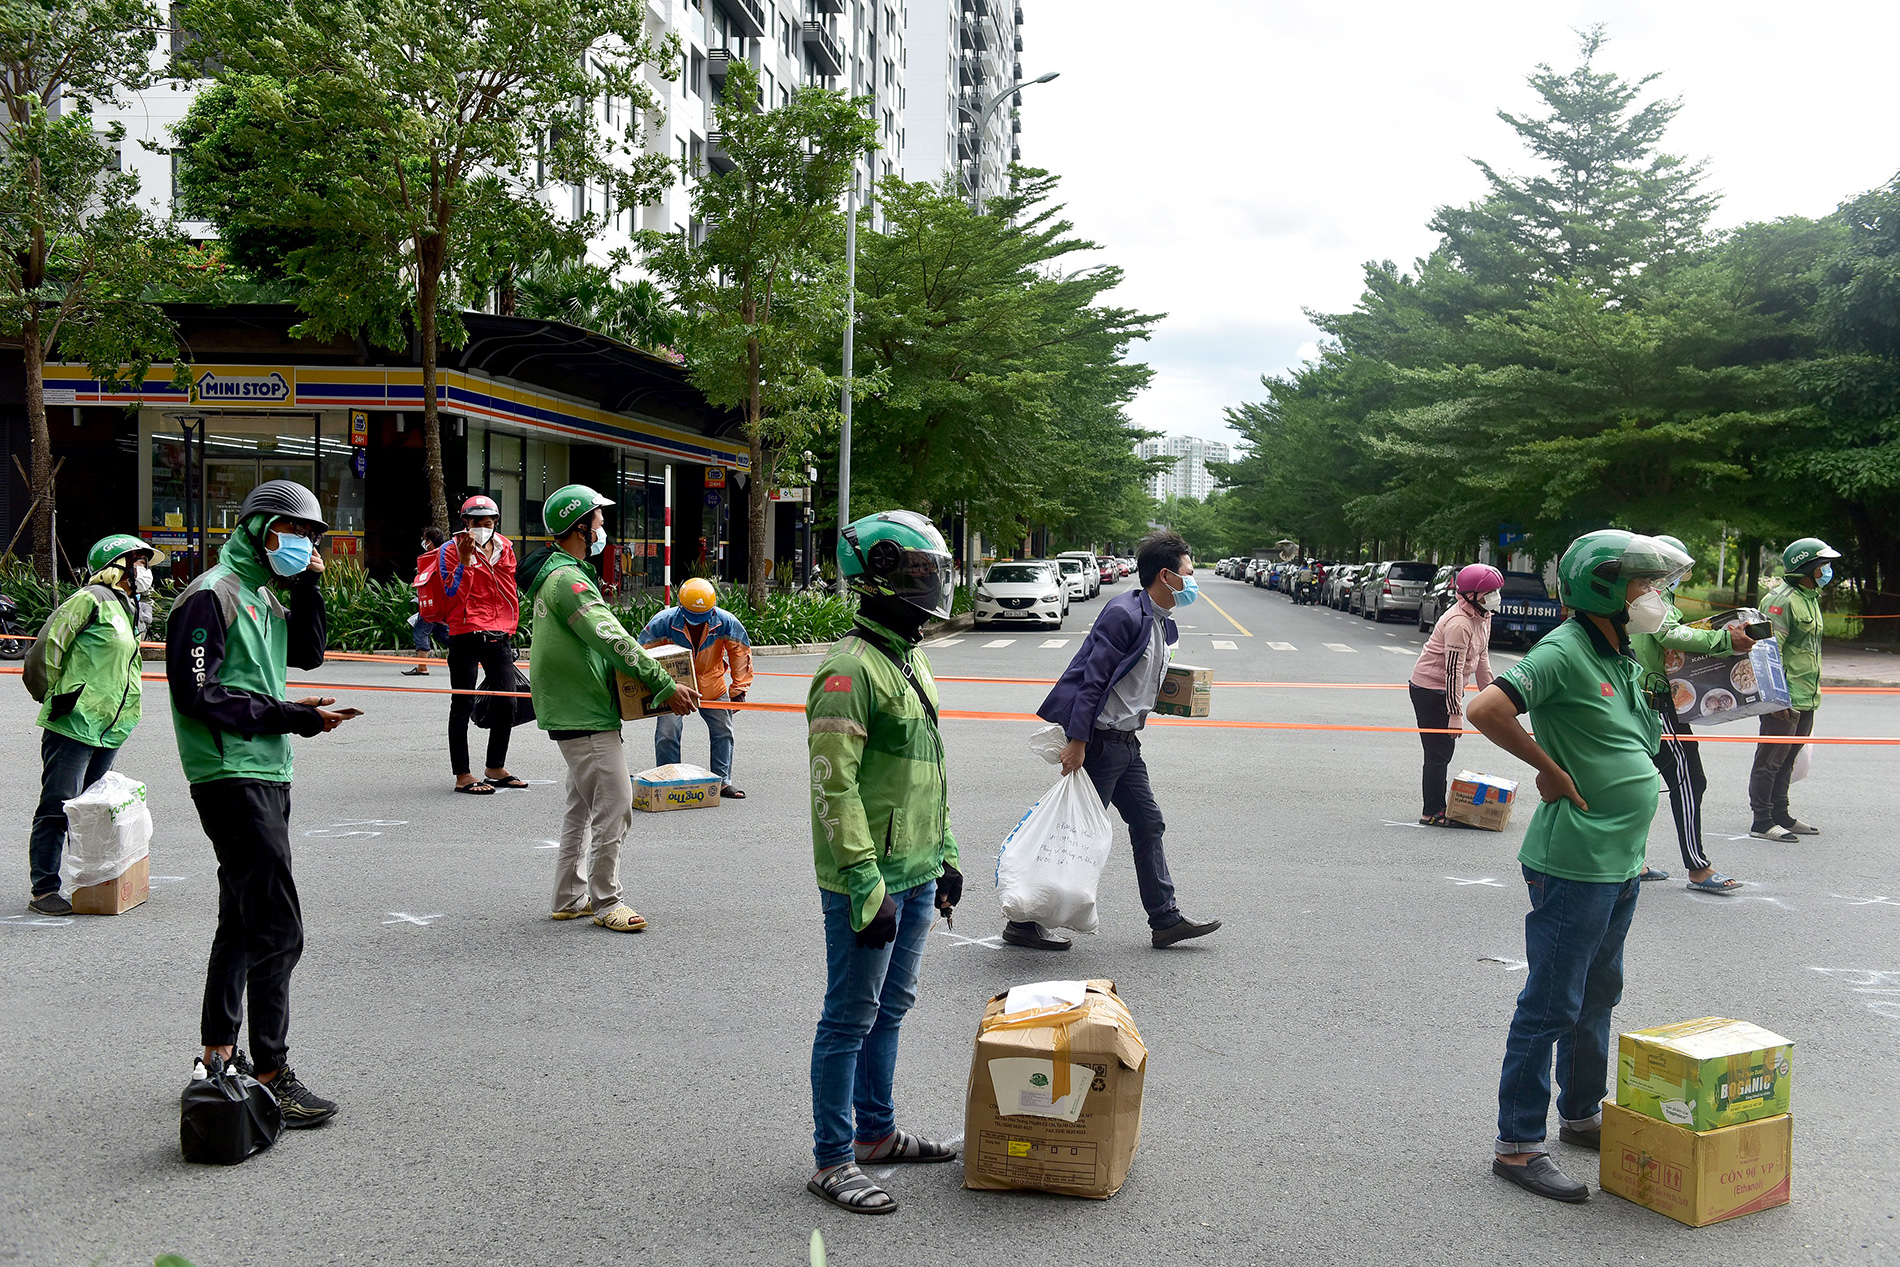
949, 888
883, 927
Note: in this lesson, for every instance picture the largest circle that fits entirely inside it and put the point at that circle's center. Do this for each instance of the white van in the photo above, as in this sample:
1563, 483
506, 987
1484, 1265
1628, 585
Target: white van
1091, 568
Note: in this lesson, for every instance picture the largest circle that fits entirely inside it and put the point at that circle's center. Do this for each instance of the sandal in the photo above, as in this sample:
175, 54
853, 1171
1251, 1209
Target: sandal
730, 793
1433, 820
477, 788
851, 1189
904, 1147
1716, 883
507, 781
622, 919
1651, 873
421, 670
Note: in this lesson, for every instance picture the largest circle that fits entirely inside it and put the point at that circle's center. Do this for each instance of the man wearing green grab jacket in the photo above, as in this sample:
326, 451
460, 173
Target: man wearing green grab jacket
1793, 607
881, 843
579, 644
1679, 763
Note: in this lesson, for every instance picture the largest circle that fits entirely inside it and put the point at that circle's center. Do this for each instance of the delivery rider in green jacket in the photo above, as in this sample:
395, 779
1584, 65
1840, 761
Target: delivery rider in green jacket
1793, 607
882, 847
1679, 763
230, 642
579, 645
91, 658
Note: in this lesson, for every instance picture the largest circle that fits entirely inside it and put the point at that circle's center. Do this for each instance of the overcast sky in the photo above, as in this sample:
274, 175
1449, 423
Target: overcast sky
1241, 159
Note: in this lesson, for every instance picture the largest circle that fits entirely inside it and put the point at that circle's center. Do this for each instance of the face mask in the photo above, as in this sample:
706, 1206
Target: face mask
481, 536
1492, 601
598, 543
141, 579
1189, 591
1825, 575
1647, 612
291, 556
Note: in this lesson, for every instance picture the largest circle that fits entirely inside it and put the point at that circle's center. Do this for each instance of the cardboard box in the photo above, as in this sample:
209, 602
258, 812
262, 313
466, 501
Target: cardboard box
1054, 1098
115, 897
1704, 1074
1481, 800
1185, 691
668, 787
1714, 689
635, 701
1696, 1178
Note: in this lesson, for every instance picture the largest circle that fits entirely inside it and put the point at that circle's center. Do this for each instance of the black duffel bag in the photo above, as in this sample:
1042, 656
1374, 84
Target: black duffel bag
494, 710
226, 1116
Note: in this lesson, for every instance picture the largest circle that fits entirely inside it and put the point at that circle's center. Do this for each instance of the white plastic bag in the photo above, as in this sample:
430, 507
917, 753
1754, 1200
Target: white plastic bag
108, 828
1048, 742
1803, 763
1050, 865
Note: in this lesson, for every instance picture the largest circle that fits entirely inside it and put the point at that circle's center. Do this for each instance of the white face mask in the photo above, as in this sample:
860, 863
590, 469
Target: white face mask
141, 579
481, 536
1492, 601
597, 543
1647, 613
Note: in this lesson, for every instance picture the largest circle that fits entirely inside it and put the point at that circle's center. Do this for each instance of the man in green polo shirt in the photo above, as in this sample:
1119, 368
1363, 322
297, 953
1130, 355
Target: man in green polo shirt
1793, 607
1596, 736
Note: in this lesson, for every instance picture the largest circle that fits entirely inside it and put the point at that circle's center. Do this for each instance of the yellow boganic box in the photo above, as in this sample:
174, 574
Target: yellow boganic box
1696, 1177
1185, 691
635, 701
1704, 1074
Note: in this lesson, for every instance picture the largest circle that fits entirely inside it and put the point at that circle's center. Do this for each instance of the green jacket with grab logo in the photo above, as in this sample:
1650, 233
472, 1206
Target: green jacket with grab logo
92, 669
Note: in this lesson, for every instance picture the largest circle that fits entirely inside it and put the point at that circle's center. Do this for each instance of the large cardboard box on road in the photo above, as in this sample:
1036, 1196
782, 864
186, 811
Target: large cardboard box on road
117, 896
1185, 691
1694, 1177
1055, 1095
666, 787
1481, 800
1704, 1074
1713, 689
635, 701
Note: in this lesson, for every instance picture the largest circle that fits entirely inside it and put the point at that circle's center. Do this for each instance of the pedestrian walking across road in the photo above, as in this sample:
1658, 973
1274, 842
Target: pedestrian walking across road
1793, 608
484, 611
1459, 648
722, 666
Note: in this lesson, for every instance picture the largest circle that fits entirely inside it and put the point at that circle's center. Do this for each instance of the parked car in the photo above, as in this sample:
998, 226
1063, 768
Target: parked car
1439, 596
1108, 570
1262, 573
1528, 611
1074, 580
1340, 586
1022, 592
1091, 568
1396, 588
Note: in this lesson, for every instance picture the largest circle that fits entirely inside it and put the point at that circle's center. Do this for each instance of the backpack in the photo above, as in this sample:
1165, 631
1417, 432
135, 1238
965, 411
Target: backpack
432, 600
33, 672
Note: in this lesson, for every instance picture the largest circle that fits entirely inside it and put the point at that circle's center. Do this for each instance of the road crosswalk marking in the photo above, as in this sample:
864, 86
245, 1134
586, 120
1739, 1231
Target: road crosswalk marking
1340, 646
944, 642
1223, 646
1283, 646
1000, 642
1400, 650
1056, 642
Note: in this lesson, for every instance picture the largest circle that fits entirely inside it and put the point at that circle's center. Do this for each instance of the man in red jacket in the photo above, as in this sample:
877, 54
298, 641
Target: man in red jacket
478, 573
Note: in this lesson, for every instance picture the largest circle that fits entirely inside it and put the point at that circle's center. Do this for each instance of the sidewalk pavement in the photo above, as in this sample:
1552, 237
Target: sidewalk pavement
1858, 664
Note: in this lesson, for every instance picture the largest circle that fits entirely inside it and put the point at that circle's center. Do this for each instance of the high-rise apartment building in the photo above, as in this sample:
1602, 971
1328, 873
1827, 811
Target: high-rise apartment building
964, 53
1189, 476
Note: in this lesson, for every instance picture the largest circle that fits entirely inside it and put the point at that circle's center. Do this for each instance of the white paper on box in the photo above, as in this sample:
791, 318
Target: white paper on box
1024, 1084
1065, 994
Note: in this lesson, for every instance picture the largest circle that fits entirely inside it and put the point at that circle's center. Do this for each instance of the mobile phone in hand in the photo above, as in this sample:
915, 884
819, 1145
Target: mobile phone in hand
1758, 630
347, 712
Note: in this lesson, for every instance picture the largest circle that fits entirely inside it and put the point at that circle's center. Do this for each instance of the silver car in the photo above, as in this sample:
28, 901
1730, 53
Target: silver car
1395, 589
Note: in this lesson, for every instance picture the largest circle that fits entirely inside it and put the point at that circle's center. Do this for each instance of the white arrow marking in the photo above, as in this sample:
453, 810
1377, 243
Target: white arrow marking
403, 917
1486, 880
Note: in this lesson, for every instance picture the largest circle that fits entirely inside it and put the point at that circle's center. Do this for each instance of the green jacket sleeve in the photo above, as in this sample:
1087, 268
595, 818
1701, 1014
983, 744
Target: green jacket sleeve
579, 605
838, 717
67, 624
1681, 637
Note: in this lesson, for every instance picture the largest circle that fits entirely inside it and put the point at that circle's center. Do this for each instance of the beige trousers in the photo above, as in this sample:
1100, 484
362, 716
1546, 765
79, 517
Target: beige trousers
599, 812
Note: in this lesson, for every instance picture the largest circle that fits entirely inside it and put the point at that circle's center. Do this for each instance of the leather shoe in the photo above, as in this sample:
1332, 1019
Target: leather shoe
1541, 1175
1033, 937
1582, 1136
1183, 930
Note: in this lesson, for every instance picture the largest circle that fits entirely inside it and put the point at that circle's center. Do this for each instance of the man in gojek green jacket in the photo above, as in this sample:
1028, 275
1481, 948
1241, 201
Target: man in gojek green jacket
579, 644
229, 646
881, 843
1793, 607
91, 660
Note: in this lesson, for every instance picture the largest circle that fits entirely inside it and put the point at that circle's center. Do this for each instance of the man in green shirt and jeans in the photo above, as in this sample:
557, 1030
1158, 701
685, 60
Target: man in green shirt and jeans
1793, 607
1596, 734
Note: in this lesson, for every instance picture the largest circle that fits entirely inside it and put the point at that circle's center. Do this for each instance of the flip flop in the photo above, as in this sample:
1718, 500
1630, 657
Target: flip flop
1716, 883
731, 793
1651, 873
507, 781
477, 788
419, 671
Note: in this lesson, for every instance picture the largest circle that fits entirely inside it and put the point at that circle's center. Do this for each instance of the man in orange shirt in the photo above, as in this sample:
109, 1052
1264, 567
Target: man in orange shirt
721, 650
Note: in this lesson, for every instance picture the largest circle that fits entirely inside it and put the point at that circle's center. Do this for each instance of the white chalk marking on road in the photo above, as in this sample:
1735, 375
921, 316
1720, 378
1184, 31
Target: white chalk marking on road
168, 879
1220, 645
1877, 981
549, 844
993, 942
1389, 823
1400, 650
1722, 899
999, 642
1510, 965
1866, 901
944, 642
35, 921
325, 833
1056, 642
1339, 646
1461, 883
372, 822
403, 917
1283, 646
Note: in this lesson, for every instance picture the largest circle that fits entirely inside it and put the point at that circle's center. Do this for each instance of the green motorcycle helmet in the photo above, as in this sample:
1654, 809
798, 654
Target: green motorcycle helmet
899, 554
568, 506
1591, 574
109, 550
1801, 555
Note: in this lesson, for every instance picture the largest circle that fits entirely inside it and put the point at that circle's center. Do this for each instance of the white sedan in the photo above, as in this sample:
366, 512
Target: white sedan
1020, 593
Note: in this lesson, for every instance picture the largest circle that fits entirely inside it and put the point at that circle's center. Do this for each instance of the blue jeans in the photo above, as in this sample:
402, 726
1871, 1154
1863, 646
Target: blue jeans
1573, 937
867, 993
666, 739
430, 635
67, 768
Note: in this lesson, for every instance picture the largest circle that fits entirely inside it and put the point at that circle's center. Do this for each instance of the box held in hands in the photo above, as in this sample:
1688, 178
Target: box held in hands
1185, 691
1704, 1074
635, 701
1054, 1098
1713, 689
1481, 800
1695, 1177
666, 787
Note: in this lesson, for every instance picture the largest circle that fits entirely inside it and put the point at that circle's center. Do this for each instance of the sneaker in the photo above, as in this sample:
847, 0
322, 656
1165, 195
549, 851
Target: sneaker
302, 1107
50, 904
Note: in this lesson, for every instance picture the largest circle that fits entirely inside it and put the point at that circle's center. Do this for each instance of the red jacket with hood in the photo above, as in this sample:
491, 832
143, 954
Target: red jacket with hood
481, 595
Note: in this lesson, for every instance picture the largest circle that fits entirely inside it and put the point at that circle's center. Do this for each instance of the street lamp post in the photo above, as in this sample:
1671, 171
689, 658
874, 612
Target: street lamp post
982, 120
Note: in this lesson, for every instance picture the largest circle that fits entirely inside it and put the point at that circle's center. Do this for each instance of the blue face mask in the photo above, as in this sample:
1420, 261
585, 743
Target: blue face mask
292, 555
1189, 591
1825, 575
598, 543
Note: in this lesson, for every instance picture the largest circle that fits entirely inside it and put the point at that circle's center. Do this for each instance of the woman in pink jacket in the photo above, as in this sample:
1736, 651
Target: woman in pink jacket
1459, 648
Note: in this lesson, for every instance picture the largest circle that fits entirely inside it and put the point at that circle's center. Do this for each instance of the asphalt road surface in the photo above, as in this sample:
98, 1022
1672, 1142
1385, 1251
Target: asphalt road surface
1322, 1078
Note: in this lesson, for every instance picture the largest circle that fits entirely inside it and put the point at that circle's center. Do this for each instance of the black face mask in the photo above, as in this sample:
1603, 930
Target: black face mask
896, 615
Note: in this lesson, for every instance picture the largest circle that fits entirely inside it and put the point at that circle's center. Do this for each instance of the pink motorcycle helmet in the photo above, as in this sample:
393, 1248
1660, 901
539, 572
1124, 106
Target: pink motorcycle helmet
1479, 578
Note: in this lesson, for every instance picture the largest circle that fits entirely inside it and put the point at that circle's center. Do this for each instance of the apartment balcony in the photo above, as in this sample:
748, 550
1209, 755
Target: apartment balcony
969, 71
975, 36
718, 62
1019, 41
1015, 153
976, 8
716, 156
831, 6
823, 49
748, 16
1016, 125
966, 144
1019, 15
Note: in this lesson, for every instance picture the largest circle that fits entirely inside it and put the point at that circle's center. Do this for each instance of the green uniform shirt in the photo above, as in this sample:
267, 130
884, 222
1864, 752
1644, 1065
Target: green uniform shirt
880, 814
92, 670
1795, 612
1587, 708
579, 644
1677, 636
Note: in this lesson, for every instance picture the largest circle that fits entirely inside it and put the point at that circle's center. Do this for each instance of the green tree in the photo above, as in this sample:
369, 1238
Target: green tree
77, 253
762, 295
590, 295
396, 158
